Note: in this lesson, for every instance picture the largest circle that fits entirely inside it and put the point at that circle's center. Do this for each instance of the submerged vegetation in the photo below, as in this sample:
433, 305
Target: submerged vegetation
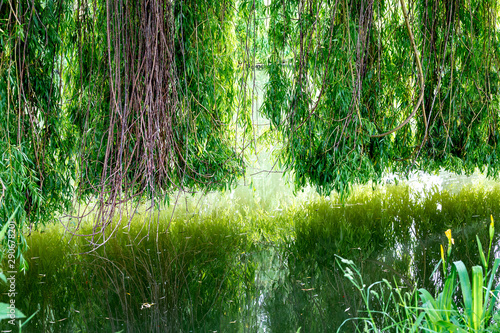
233, 267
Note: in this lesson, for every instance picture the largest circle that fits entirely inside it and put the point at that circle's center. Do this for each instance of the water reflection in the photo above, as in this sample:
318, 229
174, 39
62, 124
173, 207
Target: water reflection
400, 245
314, 295
216, 275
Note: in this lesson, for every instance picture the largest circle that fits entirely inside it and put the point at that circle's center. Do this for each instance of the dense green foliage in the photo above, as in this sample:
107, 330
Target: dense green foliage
343, 75
111, 100
35, 136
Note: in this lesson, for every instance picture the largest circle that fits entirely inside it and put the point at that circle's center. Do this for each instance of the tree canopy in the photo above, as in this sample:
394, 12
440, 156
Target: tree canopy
120, 99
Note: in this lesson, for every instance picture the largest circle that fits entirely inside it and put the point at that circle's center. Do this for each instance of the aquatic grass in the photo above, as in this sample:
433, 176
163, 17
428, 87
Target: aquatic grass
373, 220
387, 308
136, 281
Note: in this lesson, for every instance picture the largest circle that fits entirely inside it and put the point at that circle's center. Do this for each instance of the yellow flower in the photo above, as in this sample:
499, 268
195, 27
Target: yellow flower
492, 228
442, 253
448, 235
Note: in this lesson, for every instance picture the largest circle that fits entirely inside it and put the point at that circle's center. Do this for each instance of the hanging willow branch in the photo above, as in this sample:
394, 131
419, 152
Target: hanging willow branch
163, 129
340, 138
141, 150
420, 75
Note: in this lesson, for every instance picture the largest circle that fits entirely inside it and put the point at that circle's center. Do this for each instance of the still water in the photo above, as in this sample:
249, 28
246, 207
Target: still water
257, 260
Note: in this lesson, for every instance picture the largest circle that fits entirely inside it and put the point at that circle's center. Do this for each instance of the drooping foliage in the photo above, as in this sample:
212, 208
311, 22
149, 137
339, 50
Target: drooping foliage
36, 143
344, 75
115, 100
163, 120
109, 100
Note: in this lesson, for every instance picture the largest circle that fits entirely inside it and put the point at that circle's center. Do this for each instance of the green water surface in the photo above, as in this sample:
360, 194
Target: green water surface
237, 265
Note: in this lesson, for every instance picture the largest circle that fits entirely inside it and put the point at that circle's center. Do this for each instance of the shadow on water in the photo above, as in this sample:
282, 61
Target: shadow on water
244, 270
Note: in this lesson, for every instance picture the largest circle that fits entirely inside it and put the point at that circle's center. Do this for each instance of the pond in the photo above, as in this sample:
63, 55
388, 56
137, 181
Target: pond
247, 263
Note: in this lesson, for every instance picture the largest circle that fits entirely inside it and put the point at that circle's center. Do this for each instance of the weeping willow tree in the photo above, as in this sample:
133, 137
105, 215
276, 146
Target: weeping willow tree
109, 101
362, 87
160, 119
114, 100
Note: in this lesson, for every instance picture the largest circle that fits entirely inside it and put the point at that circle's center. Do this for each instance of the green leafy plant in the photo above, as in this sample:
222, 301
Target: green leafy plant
442, 313
479, 297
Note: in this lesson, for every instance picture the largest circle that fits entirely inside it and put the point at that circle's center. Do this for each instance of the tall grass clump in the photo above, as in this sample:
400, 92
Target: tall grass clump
137, 283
